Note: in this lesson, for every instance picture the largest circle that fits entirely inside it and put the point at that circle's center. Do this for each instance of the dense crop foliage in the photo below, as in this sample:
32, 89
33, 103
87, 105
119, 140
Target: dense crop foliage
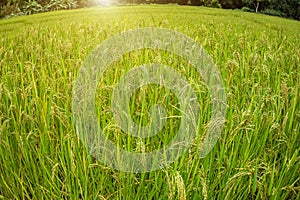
256, 157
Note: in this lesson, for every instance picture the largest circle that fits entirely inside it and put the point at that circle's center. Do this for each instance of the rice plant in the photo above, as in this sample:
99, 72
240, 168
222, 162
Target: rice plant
256, 157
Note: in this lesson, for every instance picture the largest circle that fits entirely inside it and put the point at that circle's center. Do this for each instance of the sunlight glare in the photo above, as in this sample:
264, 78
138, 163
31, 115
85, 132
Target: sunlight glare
105, 2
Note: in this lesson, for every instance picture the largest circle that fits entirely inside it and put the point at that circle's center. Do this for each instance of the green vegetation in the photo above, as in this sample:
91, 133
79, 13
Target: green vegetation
282, 8
257, 156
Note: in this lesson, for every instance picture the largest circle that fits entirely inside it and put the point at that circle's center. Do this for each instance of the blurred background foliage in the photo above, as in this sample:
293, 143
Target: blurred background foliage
282, 8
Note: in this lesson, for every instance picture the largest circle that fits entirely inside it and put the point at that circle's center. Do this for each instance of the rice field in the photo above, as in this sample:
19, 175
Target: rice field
256, 157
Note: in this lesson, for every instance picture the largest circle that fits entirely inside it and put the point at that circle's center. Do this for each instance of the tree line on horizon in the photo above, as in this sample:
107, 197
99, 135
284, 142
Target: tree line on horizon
282, 8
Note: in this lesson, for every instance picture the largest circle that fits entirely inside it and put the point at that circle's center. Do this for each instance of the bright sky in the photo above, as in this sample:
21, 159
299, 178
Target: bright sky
105, 2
